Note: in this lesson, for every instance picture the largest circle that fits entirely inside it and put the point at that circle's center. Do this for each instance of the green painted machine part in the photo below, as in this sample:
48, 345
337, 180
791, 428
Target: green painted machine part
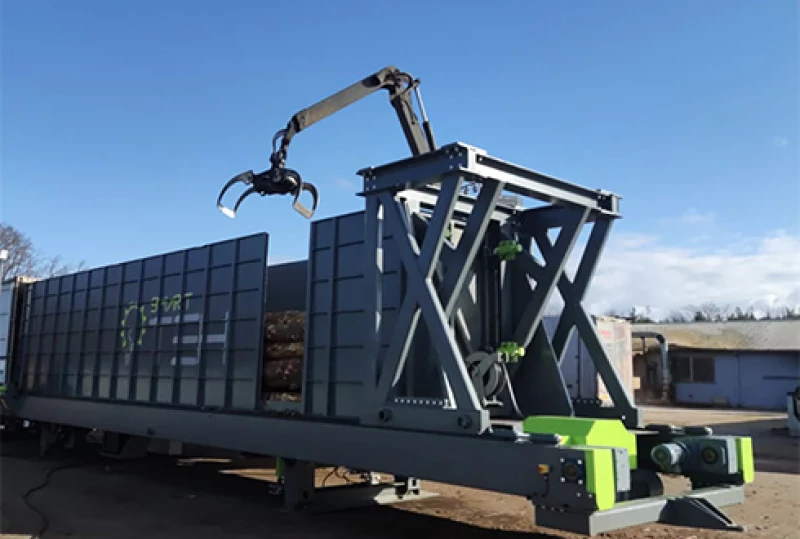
512, 350
507, 250
744, 454
600, 477
586, 432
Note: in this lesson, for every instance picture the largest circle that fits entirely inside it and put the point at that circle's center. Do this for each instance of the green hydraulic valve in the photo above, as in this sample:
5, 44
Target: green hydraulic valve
507, 250
511, 350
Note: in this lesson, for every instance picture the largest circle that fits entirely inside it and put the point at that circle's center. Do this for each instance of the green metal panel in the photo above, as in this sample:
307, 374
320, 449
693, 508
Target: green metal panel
585, 431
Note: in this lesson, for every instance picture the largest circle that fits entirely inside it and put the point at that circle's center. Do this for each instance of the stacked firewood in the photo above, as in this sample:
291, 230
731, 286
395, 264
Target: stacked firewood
284, 335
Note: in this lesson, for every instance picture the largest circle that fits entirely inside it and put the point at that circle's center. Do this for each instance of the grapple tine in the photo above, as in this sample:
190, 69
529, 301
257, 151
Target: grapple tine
299, 208
241, 198
245, 178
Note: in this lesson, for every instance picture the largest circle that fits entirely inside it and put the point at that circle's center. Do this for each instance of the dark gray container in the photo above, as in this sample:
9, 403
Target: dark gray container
337, 366
104, 334
182, 328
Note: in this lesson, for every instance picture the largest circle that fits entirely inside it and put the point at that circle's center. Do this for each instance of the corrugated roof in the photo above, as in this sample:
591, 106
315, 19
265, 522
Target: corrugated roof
764, 335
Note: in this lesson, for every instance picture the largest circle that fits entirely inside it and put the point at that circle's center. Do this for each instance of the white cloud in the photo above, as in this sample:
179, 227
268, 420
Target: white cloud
639, 270
780, 142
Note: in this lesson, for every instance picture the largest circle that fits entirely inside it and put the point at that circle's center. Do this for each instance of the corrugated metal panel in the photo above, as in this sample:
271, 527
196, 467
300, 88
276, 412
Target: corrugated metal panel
764, 335
577, 367
9, 292
335, 360
182, 328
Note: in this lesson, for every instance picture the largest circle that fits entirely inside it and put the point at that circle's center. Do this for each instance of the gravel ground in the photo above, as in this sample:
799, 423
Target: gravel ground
161, 498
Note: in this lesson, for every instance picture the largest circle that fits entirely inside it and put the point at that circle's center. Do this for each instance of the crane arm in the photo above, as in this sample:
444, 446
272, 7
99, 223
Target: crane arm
280, 180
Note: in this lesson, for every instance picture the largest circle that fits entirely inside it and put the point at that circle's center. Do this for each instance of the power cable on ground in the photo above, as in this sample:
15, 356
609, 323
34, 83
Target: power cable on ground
46, 482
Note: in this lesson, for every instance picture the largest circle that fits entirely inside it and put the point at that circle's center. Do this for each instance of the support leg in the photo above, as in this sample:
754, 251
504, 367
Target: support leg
123, 446
301, 493
698, 513
298, 483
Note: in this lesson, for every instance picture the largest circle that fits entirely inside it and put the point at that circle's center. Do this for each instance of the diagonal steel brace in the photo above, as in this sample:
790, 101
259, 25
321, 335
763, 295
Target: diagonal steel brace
423, 298
574, 316
549, 275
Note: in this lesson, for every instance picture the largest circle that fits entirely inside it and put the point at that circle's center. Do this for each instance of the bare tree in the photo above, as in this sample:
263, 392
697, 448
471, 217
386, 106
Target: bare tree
676, 317
710, 312
742, 314
21, 254
642, 316
25, 260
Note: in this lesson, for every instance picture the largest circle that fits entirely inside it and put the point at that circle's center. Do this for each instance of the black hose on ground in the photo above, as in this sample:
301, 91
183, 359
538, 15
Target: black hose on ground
45, 482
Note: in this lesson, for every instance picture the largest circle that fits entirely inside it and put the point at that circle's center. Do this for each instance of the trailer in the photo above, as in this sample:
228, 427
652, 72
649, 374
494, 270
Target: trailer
425, 354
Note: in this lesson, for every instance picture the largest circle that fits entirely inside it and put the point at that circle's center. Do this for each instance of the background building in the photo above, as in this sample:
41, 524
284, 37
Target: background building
744, 364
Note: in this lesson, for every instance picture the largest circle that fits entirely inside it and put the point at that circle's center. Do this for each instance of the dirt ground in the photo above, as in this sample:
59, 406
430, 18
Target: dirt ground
168, 498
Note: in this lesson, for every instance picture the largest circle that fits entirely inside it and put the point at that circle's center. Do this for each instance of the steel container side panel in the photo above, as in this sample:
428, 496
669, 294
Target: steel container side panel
286, 286
573, 360
335, 356
587, 372
12, 294
615, 334
577, 367
8, 292
181, 328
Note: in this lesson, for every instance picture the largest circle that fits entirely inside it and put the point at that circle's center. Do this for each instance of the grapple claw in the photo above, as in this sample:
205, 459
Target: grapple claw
275, 181
299, 208
245, 178
241, 199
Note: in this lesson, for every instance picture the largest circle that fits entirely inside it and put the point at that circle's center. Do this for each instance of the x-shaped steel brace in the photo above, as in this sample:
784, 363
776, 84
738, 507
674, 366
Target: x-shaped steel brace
574, 315
573, 292
548, 276
449, 258
422, 297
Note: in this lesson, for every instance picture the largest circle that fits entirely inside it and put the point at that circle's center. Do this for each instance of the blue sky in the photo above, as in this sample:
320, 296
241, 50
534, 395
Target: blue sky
122, 120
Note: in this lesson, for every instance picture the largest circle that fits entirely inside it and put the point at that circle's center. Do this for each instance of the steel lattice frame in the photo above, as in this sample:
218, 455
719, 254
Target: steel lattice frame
436, 272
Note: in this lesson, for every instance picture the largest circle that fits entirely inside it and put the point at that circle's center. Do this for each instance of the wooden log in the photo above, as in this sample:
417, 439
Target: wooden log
282, 350
283, 375
285, 326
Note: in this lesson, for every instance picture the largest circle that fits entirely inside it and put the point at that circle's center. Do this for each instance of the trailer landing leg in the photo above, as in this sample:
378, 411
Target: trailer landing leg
297, 480
124, 447
697, 509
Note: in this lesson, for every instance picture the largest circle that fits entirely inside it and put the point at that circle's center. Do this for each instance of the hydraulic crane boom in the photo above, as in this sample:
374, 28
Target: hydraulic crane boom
279, 180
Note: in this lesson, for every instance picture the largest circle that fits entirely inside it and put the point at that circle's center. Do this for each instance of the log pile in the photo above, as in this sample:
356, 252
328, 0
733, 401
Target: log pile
284, 336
